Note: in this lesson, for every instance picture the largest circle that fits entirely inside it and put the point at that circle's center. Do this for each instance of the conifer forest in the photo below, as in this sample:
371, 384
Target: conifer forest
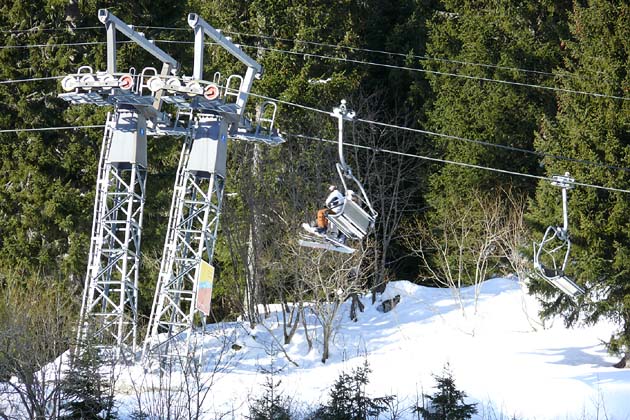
481, 129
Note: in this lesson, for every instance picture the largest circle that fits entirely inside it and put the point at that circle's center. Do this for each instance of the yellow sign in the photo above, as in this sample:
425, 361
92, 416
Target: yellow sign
205, 280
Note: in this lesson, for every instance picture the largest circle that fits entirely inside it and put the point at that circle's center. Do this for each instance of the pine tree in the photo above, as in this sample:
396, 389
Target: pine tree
271, 405
86, 394
49, 177
504, 37
595, 129
348, 399
44, 206
448, 402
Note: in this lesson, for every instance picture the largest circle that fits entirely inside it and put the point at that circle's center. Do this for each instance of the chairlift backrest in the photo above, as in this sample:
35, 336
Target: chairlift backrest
352, 220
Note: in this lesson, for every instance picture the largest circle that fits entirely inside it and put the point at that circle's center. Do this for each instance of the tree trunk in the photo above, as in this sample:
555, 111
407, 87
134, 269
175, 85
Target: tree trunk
293, 322
356, 304
253, 280
624, 362
326, 339
306, 334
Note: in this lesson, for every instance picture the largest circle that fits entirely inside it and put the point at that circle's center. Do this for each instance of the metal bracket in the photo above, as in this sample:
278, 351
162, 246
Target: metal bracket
112, 23
254, 69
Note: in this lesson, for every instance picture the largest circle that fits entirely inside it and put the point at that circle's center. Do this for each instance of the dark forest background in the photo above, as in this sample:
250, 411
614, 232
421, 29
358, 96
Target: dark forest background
538, 88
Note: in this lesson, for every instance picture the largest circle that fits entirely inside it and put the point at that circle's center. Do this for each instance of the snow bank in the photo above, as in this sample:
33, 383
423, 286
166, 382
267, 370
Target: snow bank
500, 354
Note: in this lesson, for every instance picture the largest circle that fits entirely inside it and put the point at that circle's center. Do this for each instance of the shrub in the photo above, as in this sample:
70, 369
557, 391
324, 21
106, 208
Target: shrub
86, 392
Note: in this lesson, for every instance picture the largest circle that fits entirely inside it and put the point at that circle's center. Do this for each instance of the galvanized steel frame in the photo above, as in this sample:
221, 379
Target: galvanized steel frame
191, 236
110, 299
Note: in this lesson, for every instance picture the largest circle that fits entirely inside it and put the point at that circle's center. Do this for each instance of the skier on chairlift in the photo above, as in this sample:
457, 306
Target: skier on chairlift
335, 199
346, 215
334, 203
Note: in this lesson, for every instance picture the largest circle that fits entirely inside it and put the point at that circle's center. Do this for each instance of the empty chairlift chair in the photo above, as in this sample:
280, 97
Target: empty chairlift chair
552, 253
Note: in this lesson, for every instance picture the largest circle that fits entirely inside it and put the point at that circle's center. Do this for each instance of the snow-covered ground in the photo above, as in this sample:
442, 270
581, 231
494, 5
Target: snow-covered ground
498, 350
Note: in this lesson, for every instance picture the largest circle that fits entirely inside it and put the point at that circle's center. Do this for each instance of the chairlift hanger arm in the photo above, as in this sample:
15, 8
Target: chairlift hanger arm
112, 23
342, 113
566, 183
201, 26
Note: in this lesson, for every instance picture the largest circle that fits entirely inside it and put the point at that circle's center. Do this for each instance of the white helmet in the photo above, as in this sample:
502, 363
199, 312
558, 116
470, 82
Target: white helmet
332, 188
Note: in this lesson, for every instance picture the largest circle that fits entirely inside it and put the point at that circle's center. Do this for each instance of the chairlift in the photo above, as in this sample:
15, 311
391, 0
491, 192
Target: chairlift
552, 253
356, 217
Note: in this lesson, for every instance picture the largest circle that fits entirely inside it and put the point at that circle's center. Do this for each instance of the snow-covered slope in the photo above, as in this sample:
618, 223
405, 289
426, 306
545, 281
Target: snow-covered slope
498, 350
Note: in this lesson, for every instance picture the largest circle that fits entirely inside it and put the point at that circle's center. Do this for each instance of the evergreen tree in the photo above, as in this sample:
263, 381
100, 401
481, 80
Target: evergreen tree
270, 405
448, 402
49, 177
348, 399
45, 205
504, 37
595, 129
86, 394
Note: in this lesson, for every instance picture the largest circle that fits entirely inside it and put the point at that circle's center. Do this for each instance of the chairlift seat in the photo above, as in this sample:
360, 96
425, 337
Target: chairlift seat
315, 239
554, 274
566, 285
352, 220
549, 272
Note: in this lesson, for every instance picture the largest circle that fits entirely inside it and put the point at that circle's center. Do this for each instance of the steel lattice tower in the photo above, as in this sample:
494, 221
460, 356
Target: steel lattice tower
185, 281
110, 300
211, 114
109, 311
191, 235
